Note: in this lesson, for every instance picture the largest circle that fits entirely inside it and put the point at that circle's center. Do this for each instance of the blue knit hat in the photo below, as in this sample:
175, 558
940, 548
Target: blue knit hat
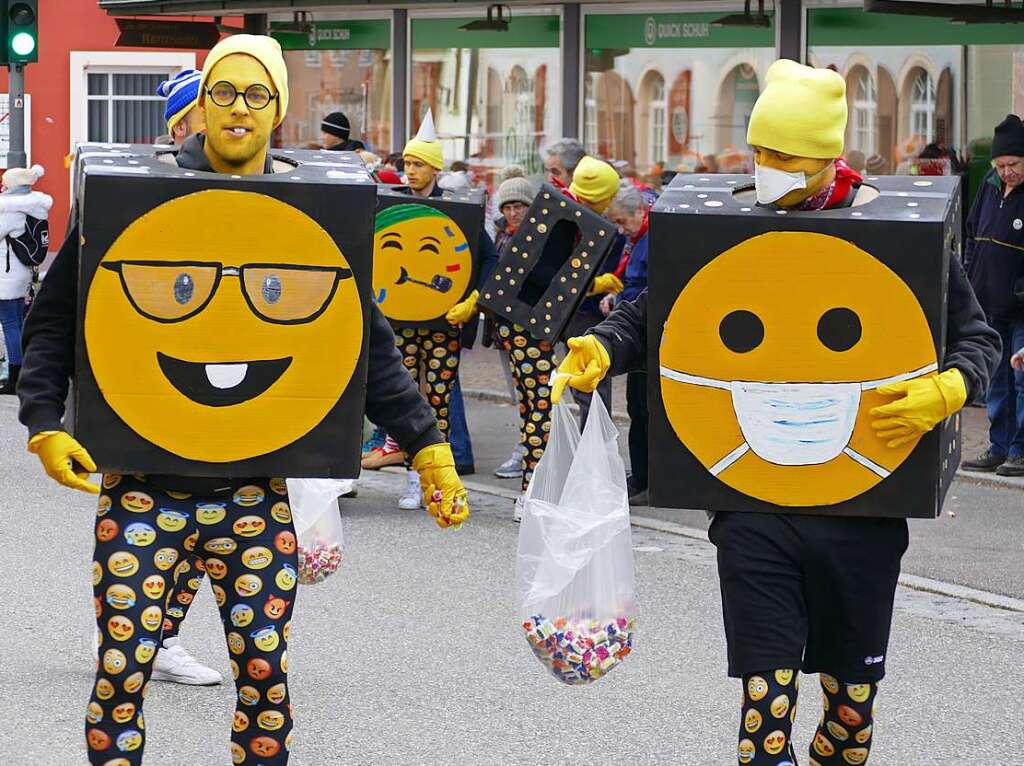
182, 93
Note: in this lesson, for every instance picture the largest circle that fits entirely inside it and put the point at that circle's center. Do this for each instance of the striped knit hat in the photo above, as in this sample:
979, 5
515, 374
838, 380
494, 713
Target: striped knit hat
182, 93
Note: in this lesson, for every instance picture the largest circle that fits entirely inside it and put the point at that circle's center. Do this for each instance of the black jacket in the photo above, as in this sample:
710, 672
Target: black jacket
392, 398
994, 251
971, 345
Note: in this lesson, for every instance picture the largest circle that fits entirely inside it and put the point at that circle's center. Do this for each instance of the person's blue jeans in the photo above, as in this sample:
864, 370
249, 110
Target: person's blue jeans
458, 431
1006, 394
12, 317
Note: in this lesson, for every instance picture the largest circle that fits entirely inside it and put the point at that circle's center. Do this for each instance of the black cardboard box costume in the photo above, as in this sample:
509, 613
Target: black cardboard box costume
148, 526
808, 591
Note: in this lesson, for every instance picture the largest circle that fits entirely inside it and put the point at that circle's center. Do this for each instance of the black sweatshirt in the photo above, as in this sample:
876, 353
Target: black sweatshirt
994, 250
393, 399
971, 345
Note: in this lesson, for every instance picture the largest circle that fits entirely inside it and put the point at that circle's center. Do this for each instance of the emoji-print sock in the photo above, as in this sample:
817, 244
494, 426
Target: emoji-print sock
532, 363
843, 737
434, 356
769, 708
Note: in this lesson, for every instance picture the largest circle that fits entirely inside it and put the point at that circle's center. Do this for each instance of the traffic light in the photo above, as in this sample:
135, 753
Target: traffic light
22, 23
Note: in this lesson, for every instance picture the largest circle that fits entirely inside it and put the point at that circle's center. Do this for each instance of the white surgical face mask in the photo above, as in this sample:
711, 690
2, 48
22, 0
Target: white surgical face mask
771, 184
795, 423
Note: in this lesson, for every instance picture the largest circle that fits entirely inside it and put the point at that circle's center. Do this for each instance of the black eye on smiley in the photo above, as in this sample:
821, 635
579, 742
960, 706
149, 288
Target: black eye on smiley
839, 329
430, 245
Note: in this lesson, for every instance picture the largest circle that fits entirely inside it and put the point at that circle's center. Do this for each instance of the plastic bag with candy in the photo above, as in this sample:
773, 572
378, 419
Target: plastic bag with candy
314, 504
574, 568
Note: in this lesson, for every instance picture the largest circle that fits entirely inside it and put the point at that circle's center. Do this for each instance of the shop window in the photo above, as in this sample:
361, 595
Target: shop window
653, 110
123, 106
590, 114
312, 59
864, 113
922, 105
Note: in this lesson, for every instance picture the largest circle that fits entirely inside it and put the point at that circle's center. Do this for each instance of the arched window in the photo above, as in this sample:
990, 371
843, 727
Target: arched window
658, 110
865, 113
922, 107
590, 115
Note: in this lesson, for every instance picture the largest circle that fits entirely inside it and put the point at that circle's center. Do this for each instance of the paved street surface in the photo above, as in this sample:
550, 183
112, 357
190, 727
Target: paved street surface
412, 655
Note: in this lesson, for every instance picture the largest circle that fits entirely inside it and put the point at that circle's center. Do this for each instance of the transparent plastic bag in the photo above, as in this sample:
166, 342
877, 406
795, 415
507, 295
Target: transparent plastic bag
574, 568
314, 505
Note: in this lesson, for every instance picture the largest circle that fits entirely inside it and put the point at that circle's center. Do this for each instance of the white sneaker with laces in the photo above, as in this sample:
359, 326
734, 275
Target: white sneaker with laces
173, 663
517, 509
412, 498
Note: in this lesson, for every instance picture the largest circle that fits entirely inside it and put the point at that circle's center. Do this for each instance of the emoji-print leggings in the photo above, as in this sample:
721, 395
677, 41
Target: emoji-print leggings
432, 356
532, 363
843, 737
145, 538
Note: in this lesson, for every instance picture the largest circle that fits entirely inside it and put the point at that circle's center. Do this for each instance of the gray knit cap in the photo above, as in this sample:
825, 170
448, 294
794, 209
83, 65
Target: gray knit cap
515, 190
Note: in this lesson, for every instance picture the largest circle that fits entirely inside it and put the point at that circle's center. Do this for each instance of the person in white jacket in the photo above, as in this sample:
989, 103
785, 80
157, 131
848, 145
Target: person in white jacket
17, 200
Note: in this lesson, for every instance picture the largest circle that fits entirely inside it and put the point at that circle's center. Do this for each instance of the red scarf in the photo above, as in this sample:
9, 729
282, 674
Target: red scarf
837, 191
620, 270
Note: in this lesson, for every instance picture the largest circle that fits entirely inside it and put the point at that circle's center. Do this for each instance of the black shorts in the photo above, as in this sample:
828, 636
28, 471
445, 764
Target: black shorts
810, 592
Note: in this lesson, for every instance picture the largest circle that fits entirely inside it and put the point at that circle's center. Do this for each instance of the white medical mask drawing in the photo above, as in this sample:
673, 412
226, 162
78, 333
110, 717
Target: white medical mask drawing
794, 424
772, 184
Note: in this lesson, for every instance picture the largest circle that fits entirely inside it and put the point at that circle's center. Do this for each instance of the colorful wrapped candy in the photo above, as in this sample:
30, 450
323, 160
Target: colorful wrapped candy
316, 563
581, 651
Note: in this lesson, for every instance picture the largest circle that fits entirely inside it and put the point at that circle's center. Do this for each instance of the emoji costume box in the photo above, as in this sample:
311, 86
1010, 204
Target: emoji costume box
425, 254
543, 273
770, 333
222, 319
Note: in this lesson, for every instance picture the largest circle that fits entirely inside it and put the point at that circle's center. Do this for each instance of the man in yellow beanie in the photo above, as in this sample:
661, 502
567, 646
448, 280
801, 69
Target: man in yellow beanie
425, 350
805, 592
243, 95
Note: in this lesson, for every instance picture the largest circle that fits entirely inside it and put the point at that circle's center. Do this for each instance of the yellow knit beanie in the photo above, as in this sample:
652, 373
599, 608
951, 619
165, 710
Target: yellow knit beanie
264, 49
801, 111
594, 181
425, 146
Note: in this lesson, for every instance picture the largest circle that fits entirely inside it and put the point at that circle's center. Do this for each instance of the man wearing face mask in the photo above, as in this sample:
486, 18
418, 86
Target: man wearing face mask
794, 596
244, 96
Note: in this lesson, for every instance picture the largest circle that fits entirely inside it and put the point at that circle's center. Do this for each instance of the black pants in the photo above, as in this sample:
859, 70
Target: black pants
636, 406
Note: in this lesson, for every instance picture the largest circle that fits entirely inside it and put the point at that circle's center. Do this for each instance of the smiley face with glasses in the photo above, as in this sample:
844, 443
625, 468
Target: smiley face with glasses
228, 342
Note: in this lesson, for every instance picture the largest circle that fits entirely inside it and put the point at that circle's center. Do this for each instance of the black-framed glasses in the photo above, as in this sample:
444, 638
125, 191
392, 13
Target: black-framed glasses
173, 291
256, 96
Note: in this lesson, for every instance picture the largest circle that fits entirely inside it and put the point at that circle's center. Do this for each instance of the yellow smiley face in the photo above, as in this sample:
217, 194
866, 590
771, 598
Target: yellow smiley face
752, 721
154, 586
97, 573
122, 564
248, 695
221, 545
171, 521
780, 706
248, 585
114, 661
855, 755
822, 746
859, 692
281, 512
133, 682
240, 722
120, 628
783, 361
746, 750
266, 639
285, 578
136, 502
276, 693
210, 513
120, 597
145, 650
783, 677
863, 735
151, 617
279, 486
838, 732
757, 688
123, 713
270, 720
228, 325
257, 557
165, 558
104, 689
249, 526
774, 742
422, 264
93, 713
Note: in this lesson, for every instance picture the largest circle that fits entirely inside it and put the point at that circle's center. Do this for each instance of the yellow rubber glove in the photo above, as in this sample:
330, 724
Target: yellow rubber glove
463, 311
923, 404
605, 283
443, 493
583, 368
64, 459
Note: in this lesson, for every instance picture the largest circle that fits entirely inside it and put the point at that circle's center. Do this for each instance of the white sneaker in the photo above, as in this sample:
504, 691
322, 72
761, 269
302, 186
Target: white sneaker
412, 498
517, 509
173, 663
348, 488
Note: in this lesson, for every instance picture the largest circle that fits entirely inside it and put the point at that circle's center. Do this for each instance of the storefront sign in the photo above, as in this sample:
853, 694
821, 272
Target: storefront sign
522, 32
671, 30
159, 33
334, 35
852, 26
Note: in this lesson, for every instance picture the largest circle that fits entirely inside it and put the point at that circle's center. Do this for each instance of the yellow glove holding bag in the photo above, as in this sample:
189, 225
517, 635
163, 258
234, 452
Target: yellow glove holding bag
583, 368
443, 493
64, 459
923, 404
605, 283
463, 311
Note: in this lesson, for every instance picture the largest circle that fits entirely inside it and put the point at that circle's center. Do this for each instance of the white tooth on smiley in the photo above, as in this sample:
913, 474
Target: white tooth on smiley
226, 375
